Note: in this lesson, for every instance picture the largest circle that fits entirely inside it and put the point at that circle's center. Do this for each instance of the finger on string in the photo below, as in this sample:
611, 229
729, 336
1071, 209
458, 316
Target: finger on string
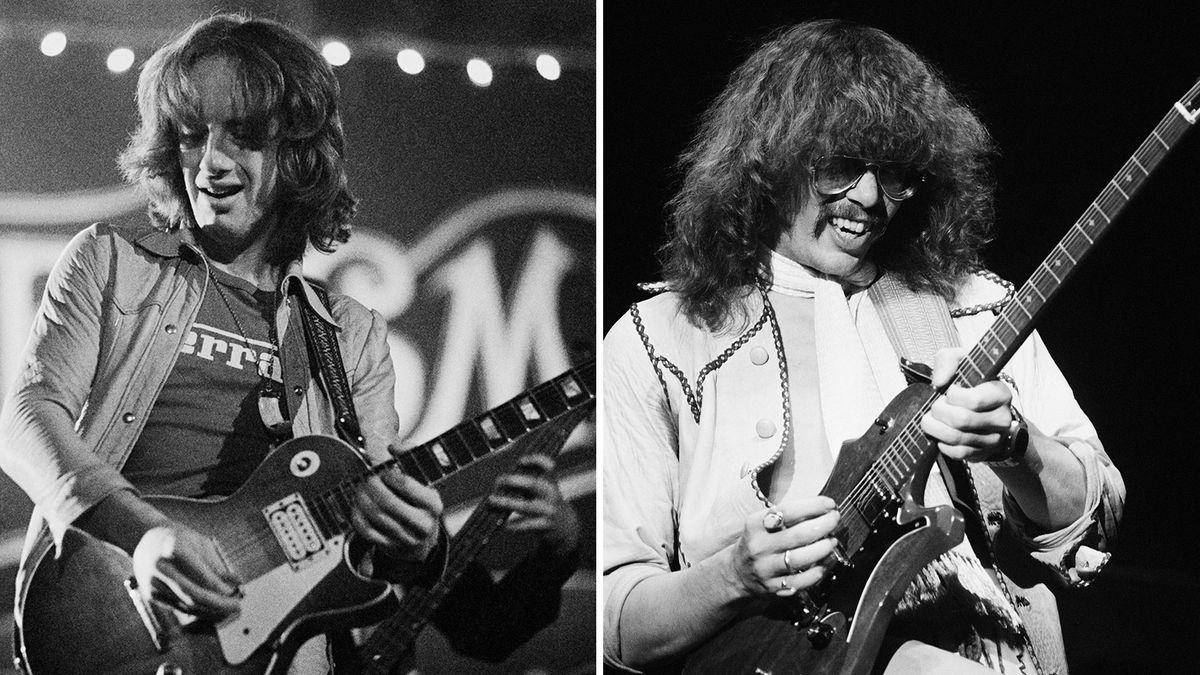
171, 592
803, 557
536, 464
412, 491
958, 417
220, 563
951, 437
520, 484
390, 517
808, 531
367, 531
983, 397
802, 508
196, 564
532, 507
193, 597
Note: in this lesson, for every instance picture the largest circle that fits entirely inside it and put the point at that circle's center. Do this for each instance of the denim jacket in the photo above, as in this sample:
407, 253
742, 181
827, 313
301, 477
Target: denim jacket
116, 310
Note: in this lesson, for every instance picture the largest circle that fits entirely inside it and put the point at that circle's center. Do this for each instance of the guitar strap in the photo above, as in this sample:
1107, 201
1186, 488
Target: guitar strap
323, 351
325, 354
918, 325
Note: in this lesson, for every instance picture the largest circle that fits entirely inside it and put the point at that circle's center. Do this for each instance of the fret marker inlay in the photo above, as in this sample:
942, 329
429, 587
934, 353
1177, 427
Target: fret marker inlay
440, 453
529, 411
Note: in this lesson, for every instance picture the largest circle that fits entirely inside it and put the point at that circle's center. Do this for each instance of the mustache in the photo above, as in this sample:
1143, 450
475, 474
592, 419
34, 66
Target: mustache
827, 212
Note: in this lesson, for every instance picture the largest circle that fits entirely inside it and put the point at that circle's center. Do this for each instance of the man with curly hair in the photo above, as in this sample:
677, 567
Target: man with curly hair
832, 211
171, 360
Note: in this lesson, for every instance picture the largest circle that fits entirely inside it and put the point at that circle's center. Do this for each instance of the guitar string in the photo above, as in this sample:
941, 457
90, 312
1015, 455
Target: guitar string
862, 495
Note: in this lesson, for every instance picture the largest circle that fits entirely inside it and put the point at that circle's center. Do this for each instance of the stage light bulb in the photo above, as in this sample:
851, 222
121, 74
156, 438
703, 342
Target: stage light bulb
120, 59
336, 53
480, 72
548, 67
410, 61
54, 43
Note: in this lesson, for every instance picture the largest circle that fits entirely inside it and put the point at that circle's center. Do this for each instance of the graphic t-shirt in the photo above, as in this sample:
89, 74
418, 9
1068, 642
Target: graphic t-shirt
205, 434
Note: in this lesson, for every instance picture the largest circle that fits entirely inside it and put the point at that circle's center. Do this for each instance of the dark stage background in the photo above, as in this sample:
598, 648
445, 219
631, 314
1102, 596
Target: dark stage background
1069, 93
475, 236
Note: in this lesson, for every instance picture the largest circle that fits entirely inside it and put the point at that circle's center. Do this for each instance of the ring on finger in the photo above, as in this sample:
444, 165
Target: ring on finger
783, 584
787, 564
772, 521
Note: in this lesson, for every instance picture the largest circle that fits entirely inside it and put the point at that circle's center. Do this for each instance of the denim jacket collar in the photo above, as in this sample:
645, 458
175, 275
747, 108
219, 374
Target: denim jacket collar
172, 243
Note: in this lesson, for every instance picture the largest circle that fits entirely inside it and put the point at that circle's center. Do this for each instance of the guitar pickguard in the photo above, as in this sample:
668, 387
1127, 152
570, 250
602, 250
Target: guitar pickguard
269, 599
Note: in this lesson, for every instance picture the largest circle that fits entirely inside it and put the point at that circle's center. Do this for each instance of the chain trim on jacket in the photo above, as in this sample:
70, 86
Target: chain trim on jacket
994, 307
695, 395
785, 395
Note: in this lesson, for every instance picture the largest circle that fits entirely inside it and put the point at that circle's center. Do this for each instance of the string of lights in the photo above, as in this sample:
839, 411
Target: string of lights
412, 55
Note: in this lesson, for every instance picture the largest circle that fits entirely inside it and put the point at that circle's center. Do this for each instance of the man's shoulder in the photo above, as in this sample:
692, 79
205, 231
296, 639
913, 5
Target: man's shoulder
660, 312
102, 239
661, 301
346, 309
120, 231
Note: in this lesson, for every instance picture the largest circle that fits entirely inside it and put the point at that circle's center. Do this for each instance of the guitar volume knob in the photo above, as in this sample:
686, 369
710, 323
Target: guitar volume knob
820, 634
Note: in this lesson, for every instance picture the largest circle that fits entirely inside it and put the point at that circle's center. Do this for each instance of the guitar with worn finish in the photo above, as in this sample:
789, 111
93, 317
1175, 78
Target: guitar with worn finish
286, 532
886, 535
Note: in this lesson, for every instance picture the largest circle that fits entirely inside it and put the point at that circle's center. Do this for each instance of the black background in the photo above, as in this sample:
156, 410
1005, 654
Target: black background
1069, 93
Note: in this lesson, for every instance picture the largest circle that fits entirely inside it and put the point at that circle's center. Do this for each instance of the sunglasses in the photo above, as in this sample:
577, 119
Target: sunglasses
836, 174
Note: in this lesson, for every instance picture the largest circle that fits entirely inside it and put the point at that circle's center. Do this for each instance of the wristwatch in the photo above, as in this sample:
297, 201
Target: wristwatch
1015, 442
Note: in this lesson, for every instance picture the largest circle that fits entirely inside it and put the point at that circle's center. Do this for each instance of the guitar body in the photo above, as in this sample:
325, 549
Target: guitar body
77, 614
837, 627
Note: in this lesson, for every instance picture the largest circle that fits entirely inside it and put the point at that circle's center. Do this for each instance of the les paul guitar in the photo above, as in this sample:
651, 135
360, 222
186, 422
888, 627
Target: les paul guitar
878, 481
286, 533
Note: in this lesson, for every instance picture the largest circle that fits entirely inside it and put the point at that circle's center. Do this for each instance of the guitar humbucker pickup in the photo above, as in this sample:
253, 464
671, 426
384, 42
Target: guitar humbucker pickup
294, 529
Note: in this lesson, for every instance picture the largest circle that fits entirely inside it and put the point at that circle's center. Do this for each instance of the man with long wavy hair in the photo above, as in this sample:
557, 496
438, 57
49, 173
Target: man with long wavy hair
171, 360
831, 216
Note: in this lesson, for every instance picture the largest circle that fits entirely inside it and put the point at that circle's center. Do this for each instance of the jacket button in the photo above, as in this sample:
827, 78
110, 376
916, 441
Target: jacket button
128, 417
765, 428
297, 390
171, 329
759, 356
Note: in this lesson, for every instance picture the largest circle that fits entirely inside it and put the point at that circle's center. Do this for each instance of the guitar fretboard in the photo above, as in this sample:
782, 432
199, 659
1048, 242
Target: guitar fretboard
1016, 320
469, 441
395, 636
881, 484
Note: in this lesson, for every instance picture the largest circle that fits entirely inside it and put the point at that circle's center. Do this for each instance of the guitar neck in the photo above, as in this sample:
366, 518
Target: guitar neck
393, 638
470, 441
1015, 322
897, 463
